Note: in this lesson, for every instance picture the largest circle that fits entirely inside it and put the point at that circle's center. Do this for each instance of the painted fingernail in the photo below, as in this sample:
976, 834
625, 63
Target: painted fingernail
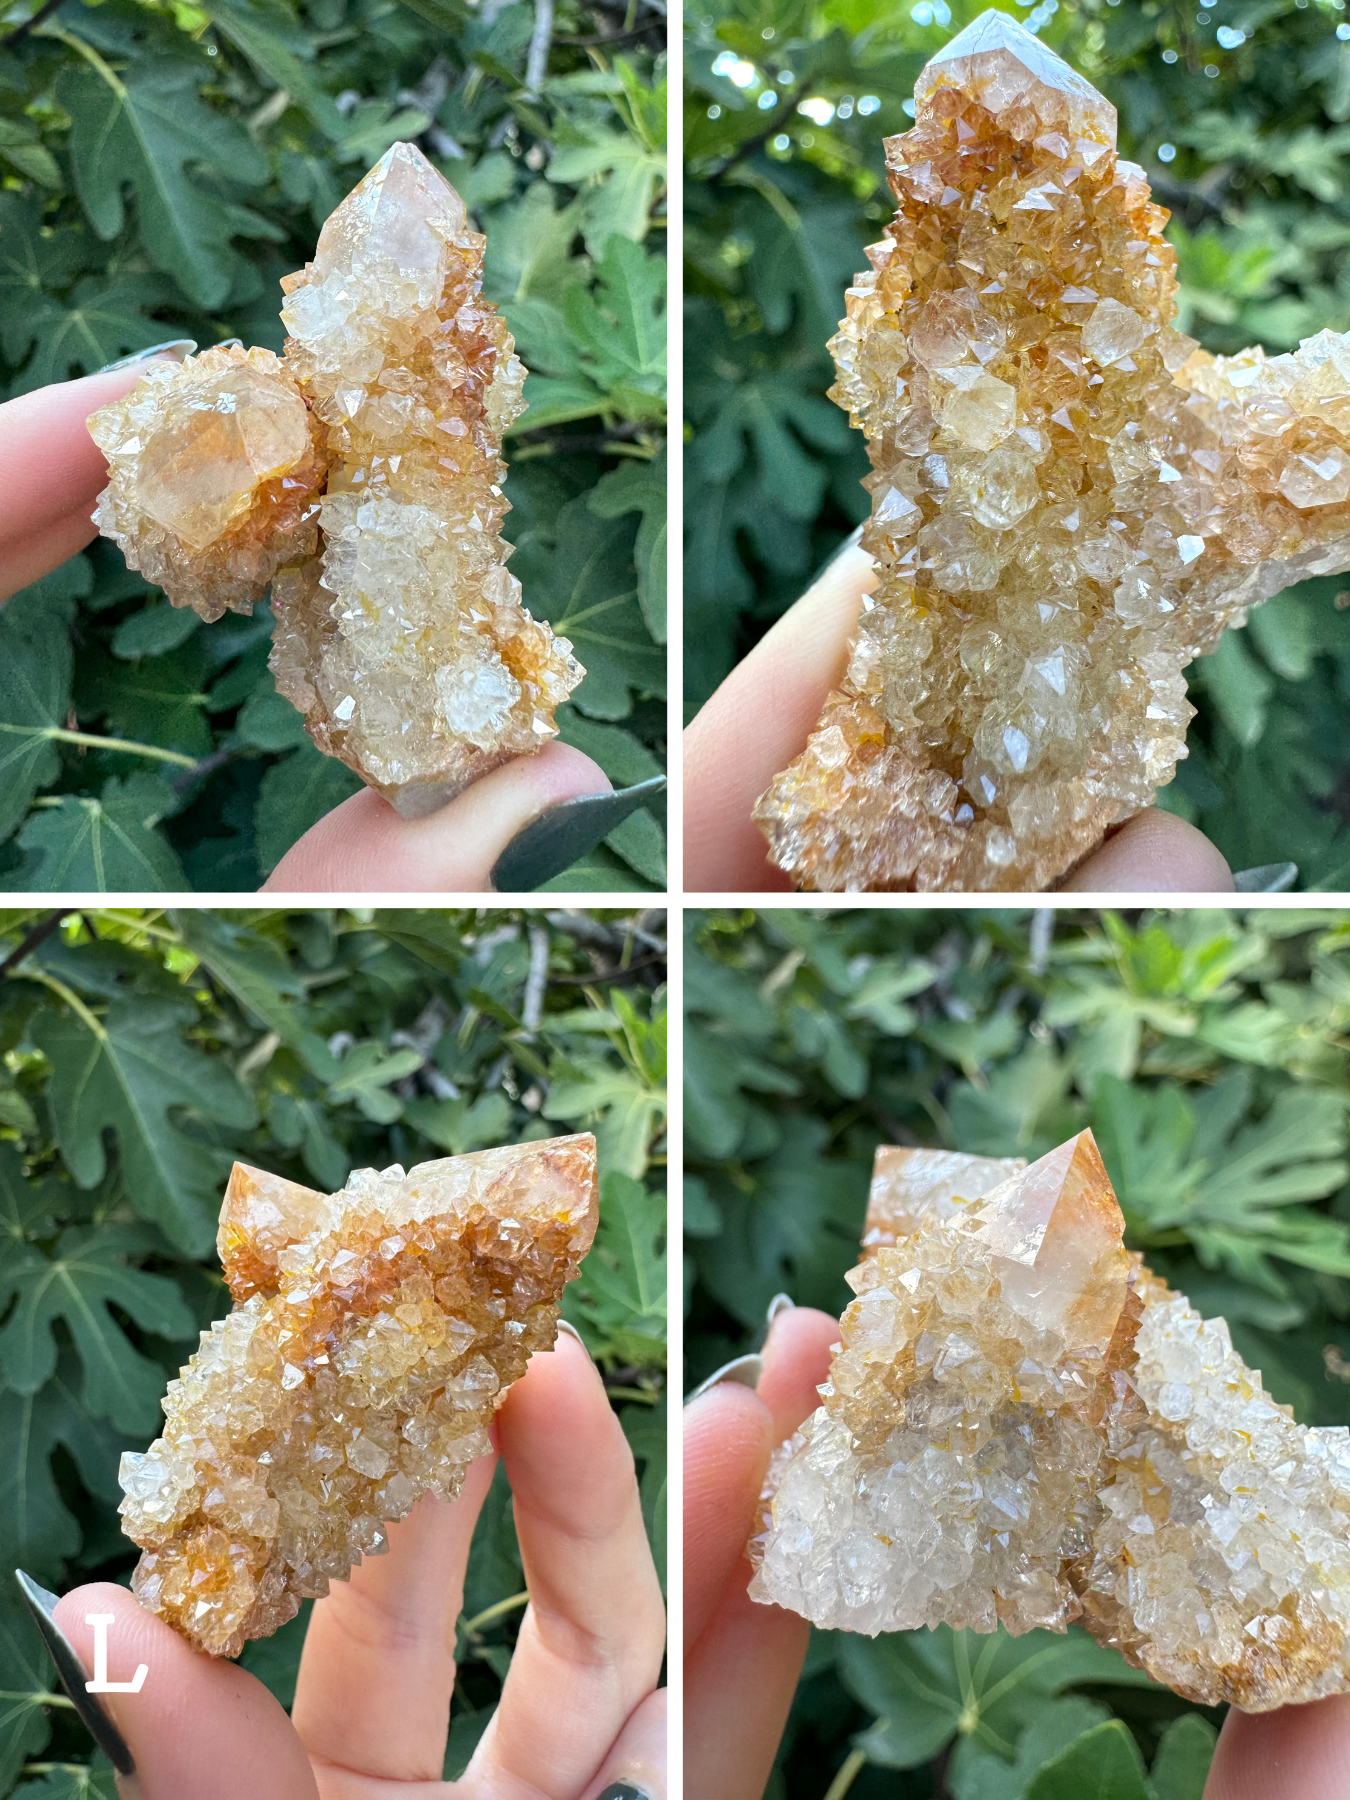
229, 344
555, 840
1269, 878
572, 1332
780, 1303
177, 348
621, 1790
746, 1370
73, 1675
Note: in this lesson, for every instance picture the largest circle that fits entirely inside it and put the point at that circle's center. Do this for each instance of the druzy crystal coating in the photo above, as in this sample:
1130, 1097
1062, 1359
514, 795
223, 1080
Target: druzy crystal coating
1070, 500
373, 1334
360, 476
1023, 1426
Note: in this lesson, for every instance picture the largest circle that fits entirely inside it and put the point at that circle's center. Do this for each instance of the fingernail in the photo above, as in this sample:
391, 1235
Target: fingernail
74, 1675
554, 841
621, 1790
746, 1370
177, 348
1269, 878
851, 542
572, 1332
229, 344
780, 1303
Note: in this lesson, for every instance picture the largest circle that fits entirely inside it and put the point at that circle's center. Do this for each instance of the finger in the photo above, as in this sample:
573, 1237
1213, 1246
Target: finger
1155, 853
363, 846
1299, 1750
51, 472
373, 1695
729, 1433
200, 1725
728, 1439
796, 1361
757, 721
742, 1672
637, 1758
590, 1643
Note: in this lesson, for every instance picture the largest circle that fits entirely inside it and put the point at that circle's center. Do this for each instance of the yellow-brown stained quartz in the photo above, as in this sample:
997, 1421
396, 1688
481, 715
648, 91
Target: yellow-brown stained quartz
360, 476
214, 473
374, 1333
1023, 1426
1070, 500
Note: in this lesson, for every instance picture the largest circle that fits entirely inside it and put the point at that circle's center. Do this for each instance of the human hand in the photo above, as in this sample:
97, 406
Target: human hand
579, 1712
512, 831
741, 1659
763, 713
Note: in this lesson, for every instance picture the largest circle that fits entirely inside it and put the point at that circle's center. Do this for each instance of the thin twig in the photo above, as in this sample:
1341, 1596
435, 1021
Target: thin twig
641, 962
536, 62
38, 935
20, 32
612, 37
207, 766
537, 980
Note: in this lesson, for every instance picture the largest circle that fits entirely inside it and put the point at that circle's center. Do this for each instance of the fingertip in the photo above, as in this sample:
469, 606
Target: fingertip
796, 1361
1155, 852
1297, 1750
758, 721
199, 1724
364, 845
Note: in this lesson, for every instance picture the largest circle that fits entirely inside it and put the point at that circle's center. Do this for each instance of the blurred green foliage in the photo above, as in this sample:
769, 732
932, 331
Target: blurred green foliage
1240, 114
162, 165
140, 1053
1207, 1050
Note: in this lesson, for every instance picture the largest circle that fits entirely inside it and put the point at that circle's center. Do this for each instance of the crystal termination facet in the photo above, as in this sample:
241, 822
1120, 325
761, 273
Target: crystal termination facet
374, 1332
360, 476
1024, 1426
1070, 500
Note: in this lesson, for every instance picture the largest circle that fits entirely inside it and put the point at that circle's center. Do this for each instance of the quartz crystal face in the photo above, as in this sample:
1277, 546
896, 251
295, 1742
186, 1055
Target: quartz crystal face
1070, 500
374, 1333
1023, 1426
360, 476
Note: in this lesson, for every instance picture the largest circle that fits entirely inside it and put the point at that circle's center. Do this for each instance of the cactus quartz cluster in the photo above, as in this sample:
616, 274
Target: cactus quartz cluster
360, 475
1070, 500
374, 1332
1024, 1427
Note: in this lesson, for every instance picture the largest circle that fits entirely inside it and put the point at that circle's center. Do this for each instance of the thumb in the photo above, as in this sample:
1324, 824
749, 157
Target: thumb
199, 1725
1154, 853
364, 846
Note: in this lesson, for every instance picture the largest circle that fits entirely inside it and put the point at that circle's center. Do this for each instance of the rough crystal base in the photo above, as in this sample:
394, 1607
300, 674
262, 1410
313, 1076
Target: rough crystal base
1070, 500
1024, 1427
374, 1332
361, 477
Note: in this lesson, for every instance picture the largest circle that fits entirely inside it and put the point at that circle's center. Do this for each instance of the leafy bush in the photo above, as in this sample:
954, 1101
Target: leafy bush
1253, 140
1208, 1052
161, 166
142, 1052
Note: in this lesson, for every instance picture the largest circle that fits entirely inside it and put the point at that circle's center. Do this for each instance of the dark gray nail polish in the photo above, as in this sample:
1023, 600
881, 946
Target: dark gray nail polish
74, 1675
553, 841
1269, 878
621, 1790
744, 1370
177, 348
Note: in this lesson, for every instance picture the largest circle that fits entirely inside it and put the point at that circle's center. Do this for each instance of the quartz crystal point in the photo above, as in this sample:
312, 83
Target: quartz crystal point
360, 476
374, 1332
1070, 500
1023, 1426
